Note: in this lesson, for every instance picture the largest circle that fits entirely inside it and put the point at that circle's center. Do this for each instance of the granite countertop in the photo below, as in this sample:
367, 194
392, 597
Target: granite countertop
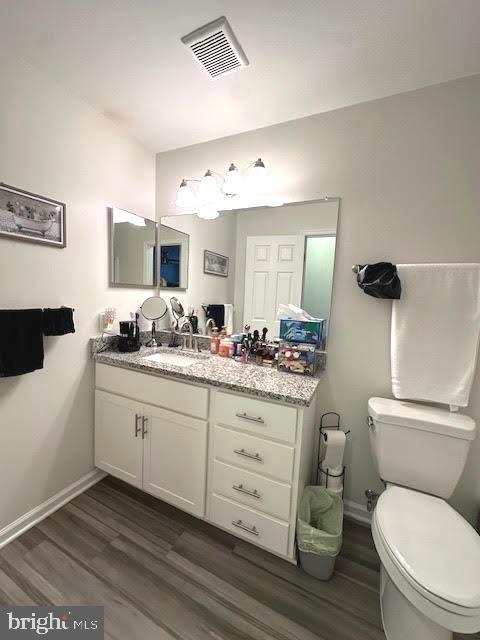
219, 372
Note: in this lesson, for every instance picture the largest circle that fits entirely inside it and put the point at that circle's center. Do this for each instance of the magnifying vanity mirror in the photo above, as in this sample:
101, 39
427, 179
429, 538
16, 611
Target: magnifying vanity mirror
178, 311
264, 256
153, 309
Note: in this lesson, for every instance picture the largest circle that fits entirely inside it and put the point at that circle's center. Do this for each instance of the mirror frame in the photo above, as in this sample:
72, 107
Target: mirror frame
159, 239
111, 270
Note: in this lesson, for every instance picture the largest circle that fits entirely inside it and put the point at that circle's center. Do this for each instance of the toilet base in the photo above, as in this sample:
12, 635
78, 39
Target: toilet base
402, 620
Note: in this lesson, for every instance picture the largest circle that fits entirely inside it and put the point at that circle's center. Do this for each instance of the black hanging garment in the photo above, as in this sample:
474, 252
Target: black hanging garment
58, 322
21, 342
217, 313
379, 280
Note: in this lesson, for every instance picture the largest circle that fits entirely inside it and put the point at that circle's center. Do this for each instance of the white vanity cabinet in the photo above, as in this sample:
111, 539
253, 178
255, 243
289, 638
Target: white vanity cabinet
238, 461
175, 458
161, 451
260, 459
118, 437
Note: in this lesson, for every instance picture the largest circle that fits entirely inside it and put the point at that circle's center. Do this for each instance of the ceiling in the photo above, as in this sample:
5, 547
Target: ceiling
125, 57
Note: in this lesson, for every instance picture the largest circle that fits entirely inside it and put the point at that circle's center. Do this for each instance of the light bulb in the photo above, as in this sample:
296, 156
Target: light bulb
259, 179
208, 213
185, 196
208, 191
233, 181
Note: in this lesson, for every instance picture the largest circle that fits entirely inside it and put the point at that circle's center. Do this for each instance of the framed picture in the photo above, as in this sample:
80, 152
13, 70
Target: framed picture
215, 264
28, 216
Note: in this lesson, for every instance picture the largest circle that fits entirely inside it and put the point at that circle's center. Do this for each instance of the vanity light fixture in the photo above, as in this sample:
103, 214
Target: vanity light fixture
185, 196
209, 189
233, 181
219, 191
208, 213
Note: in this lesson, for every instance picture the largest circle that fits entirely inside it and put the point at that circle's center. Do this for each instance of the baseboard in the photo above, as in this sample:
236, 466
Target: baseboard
358, 512
35, 515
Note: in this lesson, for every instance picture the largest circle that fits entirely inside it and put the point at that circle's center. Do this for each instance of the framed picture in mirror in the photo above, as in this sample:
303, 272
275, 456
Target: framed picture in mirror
215, 264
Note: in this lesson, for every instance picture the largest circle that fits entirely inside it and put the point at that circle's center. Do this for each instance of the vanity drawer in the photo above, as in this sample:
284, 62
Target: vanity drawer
250, 525
265, 418
251, 489
255, 454
161, 392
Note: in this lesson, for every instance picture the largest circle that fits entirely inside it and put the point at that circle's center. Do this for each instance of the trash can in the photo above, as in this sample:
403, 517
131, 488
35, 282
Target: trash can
319, 531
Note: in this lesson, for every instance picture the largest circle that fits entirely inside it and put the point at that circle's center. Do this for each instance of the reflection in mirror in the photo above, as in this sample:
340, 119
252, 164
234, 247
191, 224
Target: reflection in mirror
178, 311
173, 258
133, 249
276, 255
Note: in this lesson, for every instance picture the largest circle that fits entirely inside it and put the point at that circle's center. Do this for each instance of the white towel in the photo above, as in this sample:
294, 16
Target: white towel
435, 332
228, 321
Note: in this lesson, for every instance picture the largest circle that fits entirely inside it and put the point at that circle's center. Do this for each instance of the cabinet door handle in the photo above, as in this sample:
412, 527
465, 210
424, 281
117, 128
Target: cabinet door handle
245, 416
144, 429
239, 487
246, 454
137, 427
240, 525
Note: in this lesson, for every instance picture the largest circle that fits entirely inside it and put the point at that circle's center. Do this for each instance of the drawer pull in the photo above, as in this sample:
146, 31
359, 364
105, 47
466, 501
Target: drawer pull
241, 488
137, 428
144, 428
240, 525
246, 454
245, 416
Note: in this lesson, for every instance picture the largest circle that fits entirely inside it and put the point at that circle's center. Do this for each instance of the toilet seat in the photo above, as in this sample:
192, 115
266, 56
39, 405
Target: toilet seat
411, 532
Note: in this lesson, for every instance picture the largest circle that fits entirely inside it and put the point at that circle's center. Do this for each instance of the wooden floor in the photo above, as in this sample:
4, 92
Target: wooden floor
161, 574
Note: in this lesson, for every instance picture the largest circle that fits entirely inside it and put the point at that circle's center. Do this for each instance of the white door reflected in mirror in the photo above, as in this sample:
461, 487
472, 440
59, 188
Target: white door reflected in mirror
276, 255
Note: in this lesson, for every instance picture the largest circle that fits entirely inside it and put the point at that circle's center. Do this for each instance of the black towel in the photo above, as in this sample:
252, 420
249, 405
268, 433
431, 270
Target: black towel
21, 342
58, 322
380, 280
217, 313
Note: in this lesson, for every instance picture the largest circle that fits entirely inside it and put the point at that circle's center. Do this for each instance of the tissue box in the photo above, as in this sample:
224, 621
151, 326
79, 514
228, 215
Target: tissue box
306, 331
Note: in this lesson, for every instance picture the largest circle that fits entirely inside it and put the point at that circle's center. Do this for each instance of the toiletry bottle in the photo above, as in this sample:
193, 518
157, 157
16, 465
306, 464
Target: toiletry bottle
225, 348
214, 341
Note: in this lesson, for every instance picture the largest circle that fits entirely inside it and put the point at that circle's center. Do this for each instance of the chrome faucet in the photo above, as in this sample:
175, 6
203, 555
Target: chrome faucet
189, 345
210, 323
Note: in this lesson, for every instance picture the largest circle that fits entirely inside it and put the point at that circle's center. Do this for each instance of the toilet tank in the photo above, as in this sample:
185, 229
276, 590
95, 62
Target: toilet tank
418, 446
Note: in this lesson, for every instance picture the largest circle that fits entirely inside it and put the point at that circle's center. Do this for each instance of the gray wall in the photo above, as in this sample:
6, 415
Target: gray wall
407, 169
58, 146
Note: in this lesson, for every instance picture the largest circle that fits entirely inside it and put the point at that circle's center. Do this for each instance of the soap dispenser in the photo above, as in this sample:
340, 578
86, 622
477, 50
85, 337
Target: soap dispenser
214, 341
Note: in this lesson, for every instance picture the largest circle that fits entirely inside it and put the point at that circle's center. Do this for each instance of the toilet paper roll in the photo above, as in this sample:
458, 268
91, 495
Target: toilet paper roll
335, 449
336, 492
335, 478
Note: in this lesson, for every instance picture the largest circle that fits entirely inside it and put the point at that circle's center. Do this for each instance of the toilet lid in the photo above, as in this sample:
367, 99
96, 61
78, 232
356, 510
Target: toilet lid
432, 544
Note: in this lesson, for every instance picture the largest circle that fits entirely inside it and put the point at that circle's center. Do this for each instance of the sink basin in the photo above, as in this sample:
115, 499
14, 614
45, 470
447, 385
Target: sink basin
175, 359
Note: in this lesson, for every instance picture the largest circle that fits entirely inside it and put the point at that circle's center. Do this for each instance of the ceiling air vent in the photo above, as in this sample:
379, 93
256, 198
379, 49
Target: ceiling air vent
216, 48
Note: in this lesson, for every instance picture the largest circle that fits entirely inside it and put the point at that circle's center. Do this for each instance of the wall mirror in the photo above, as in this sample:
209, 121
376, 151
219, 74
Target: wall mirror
133, 250
174, 247
274, 254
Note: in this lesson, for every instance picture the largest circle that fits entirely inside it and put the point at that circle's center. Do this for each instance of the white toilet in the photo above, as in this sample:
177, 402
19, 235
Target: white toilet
430, 576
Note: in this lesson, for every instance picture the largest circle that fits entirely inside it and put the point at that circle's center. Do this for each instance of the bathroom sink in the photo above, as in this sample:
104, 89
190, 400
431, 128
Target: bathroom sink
175, 359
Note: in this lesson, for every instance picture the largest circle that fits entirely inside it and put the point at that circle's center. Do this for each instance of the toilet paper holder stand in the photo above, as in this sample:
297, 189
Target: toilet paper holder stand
323, 475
